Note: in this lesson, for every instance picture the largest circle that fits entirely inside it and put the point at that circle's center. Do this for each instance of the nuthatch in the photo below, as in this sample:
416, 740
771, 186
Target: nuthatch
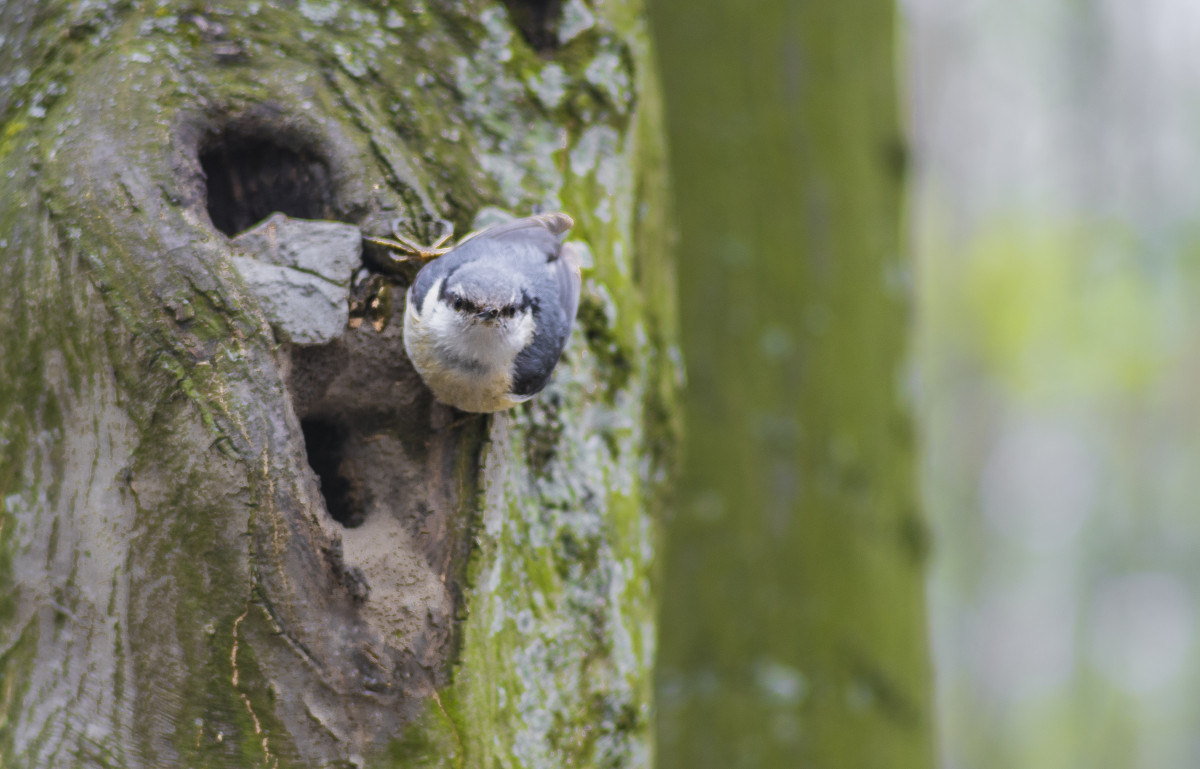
487, 321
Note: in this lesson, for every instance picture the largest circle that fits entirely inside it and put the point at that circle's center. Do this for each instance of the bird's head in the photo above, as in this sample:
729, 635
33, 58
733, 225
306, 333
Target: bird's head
485, 295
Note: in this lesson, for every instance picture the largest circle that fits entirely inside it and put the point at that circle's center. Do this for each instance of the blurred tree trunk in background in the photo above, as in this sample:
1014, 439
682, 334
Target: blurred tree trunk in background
178, 587
793, 621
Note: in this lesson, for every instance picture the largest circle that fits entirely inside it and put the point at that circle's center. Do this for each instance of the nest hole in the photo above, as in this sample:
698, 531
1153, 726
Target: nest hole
538, 21
252, 175
325, 445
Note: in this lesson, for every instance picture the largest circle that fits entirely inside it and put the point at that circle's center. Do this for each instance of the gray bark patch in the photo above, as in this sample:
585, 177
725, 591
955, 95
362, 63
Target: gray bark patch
300, 272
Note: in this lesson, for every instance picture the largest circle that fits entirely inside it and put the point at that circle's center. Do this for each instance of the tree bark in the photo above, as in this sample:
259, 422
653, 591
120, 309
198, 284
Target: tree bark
226, 543
793, 623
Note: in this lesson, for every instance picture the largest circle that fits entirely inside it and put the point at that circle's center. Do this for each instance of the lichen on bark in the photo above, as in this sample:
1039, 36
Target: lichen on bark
175, 592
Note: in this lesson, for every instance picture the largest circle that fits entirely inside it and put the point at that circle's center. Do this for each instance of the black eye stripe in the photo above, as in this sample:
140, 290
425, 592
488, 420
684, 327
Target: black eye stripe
465, 305
462, 304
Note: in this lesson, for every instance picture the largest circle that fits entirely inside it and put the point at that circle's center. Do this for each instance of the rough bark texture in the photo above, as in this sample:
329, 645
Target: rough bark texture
793, 624
177, 586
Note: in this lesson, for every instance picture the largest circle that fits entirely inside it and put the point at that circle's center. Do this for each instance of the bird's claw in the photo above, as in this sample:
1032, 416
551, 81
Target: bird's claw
411, 248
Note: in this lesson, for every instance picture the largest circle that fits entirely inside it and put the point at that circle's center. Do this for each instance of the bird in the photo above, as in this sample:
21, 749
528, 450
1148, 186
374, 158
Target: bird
487, 320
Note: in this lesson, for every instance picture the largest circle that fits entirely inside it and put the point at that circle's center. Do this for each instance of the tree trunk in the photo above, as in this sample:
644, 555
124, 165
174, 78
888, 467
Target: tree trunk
793, 624
235, 535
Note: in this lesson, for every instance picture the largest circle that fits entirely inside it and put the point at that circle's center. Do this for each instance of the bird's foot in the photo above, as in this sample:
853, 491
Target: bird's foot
412, 250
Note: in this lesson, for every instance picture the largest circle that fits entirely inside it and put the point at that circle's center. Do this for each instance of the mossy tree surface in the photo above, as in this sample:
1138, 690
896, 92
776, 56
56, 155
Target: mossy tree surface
173, 592
793, 624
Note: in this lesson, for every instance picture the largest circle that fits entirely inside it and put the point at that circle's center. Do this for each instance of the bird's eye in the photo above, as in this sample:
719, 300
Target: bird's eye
458, 303
509, 312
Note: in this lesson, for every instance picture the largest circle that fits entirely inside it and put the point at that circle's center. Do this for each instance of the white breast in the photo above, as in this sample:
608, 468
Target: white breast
467, 365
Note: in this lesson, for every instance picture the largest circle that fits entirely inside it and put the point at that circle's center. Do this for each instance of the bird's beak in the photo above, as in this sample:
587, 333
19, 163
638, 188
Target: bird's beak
488, 315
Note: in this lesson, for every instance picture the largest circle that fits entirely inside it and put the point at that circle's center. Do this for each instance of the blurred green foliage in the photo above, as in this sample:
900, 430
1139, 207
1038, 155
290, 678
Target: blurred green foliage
1058, 361
1053, 310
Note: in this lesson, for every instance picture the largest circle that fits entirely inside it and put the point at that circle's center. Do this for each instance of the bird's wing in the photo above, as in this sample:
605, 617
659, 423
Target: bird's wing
556, 224
544, 233
533, 365
567, 271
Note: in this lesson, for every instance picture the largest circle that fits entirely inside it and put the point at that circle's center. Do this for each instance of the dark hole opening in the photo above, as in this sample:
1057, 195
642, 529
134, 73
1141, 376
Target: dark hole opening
537, 20
251, 177
325, 444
